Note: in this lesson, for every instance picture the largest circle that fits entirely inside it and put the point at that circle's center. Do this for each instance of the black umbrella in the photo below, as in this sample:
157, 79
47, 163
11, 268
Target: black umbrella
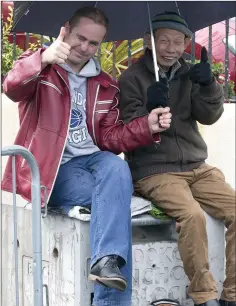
128, 19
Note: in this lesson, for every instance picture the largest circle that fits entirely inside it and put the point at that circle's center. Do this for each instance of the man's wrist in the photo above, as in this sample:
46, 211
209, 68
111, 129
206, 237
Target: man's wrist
44, 61
208, 82
151, 130
209, 90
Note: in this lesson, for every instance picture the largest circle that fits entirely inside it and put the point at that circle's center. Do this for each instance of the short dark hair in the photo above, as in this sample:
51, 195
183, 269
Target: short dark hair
93, 13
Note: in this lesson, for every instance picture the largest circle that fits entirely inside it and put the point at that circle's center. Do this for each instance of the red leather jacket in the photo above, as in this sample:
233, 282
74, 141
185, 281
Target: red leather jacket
44, 111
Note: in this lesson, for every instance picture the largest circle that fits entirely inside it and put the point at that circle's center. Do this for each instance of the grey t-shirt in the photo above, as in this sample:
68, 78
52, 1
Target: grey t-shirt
79, 142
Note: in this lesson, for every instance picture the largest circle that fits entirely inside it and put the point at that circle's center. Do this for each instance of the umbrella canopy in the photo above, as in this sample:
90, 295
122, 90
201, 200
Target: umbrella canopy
128, 19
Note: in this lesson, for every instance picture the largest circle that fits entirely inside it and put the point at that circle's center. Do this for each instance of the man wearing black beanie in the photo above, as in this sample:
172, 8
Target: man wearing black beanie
174, 175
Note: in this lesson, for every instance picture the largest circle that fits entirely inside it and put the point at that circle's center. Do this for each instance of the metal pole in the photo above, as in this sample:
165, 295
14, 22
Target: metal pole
176, 4
144, 44
144, 220
26, 41
210, 44
36, 218
129, 53
226, 58
193, 49
156, 68
99, 54
41, 40
14, 46
114, 61
15, 229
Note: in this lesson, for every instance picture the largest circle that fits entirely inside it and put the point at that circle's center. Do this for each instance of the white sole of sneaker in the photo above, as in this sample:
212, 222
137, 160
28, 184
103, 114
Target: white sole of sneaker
115, 283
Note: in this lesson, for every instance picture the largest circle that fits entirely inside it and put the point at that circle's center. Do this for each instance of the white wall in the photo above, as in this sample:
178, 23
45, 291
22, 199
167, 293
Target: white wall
10, 124
220, 139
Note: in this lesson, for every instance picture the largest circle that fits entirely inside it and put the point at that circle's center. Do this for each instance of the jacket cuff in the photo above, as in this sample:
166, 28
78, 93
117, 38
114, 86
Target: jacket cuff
157, 137
34, 66
209, 90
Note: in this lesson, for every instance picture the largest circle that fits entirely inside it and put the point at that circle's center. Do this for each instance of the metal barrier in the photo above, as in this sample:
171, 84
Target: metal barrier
36, 220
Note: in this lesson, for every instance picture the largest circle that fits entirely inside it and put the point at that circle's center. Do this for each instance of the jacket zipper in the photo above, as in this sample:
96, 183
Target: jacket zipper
35, 76
178, 146
175, 133
51, 85
64, 142
105, 111
94, 107
105, 102
168, 96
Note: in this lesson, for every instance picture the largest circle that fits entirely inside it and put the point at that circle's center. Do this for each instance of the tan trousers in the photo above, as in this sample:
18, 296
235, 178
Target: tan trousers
182, 195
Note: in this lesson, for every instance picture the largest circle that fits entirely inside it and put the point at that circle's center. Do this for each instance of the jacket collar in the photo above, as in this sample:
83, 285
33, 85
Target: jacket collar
103, 79
180, 68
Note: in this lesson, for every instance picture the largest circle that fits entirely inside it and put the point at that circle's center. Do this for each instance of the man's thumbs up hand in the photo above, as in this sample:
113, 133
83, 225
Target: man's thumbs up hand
62, 34
58, 52
204, 55
201, 73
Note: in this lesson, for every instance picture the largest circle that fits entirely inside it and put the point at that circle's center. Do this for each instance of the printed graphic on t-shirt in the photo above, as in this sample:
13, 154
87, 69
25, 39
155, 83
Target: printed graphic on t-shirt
78, 129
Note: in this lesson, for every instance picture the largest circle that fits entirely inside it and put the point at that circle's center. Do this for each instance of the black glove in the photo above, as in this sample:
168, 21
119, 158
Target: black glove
157, 95
201, 73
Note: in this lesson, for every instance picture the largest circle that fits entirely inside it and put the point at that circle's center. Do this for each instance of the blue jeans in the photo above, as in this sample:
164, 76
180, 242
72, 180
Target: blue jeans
102, 182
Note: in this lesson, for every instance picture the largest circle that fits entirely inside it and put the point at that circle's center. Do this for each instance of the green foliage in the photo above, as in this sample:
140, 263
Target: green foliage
120, 54
231, 91
7, 47
157, 213
218, 70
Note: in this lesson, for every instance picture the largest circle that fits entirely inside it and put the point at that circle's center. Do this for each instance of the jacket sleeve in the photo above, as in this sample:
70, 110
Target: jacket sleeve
117, 136
132, 102
20, 82
207, 103
131, 99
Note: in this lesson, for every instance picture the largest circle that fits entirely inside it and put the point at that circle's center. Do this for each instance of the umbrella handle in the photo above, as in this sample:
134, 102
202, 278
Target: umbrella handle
156, 68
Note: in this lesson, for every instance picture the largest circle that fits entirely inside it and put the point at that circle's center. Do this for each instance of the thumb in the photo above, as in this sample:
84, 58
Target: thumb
160, 110
62, 34
204, 56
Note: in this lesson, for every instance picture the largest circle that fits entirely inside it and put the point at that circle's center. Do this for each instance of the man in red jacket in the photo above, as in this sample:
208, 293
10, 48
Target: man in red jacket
68, 118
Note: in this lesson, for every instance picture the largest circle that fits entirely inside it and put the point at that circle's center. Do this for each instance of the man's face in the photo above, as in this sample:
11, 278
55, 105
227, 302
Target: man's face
84, 40
170, 46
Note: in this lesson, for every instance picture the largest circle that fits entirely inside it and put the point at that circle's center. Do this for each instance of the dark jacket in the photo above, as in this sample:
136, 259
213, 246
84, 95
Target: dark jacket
182, 148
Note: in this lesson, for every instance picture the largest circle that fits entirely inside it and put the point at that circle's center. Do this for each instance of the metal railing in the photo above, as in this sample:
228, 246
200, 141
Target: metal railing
36, 221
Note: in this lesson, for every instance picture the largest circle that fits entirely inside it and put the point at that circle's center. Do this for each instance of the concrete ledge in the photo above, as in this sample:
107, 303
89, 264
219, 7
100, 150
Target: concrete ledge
157, 267
141, 220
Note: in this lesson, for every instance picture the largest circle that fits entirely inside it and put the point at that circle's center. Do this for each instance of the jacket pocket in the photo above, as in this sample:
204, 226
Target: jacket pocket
46, 83
47, 148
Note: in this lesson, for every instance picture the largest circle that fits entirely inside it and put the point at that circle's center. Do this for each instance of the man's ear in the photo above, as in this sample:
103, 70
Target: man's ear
186, 42
148, 41
67, 27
